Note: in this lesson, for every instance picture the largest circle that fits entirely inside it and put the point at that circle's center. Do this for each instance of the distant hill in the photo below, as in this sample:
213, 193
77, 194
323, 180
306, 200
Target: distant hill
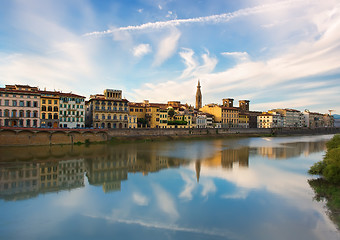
336, 116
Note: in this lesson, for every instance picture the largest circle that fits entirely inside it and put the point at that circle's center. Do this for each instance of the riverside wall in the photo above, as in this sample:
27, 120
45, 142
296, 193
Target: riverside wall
36, 137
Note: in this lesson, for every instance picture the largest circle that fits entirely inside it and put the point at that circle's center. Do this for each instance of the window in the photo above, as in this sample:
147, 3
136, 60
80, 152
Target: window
55, 116
55, 109
28, 123
14, 103
14, 113
0, 113
43, 108
43, 101
49, 101
50, 108
6, 102
28, 114
43, 116
103, 116
35, 104
50, 116
28, 104
35, 123
21, 103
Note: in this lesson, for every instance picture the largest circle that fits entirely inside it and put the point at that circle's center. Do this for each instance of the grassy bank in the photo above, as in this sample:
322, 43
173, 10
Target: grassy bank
328, 185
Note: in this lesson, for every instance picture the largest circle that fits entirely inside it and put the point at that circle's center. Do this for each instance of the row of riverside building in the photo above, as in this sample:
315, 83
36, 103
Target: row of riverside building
26, 106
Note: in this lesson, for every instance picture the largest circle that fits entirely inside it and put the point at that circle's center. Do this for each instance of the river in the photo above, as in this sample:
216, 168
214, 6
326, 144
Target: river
233, 188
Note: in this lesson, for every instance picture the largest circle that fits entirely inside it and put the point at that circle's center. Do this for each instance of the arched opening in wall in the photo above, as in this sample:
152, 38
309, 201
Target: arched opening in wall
49, 124
120, 125
114, 125
28, 123
109, 125
55, 125
103, 125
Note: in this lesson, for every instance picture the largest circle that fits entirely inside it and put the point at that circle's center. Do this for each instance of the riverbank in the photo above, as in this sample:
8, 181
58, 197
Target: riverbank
41, 136
328, 185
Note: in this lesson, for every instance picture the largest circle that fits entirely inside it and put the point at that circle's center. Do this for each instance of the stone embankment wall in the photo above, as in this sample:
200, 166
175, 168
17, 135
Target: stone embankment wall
26, 137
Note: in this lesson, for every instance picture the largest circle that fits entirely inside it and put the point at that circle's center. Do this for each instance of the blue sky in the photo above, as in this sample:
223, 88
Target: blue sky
277, 54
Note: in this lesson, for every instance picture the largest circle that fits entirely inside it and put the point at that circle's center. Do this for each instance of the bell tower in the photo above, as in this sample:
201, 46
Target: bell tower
198, 96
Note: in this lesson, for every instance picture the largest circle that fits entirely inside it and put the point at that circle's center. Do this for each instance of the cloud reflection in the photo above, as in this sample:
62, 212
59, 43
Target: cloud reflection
165, 202
140, 199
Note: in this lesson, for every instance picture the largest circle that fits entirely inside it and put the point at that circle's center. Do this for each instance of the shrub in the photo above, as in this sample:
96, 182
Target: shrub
334, 142
329, 167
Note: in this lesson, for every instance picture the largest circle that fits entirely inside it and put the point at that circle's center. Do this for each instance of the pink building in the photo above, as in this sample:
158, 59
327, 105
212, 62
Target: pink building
19, 106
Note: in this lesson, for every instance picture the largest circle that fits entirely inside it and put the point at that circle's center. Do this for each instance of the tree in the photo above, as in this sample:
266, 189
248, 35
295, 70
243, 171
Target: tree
171, 112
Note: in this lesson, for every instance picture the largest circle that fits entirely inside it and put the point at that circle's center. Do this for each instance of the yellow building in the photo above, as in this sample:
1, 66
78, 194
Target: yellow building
137, 109
243, 120
153, 115
230, 117
213, 109
49, 112
180, 121
132, 121
163, 118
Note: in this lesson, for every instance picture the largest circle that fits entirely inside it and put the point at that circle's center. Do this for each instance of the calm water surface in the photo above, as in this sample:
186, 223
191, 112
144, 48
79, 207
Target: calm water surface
246, 188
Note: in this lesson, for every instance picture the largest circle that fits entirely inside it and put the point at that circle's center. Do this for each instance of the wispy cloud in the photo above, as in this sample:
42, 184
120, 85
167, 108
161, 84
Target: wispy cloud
167, 47
241, 56
270, 78
213, 19
188, 59
141, 50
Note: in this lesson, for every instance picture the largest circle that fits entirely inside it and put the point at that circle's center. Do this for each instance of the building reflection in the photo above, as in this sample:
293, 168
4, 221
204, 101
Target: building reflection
290, 150
28, 172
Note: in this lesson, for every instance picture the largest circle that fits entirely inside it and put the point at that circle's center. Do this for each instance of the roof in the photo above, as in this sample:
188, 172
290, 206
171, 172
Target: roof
19, 91
266, 114
103, 99
71, 95
230, 108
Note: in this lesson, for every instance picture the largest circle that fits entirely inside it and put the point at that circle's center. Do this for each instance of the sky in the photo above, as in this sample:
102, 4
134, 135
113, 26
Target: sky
275, 53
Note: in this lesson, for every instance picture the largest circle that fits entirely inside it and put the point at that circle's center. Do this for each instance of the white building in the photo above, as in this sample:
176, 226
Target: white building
201, 121
292, 117
72, 111
270, 120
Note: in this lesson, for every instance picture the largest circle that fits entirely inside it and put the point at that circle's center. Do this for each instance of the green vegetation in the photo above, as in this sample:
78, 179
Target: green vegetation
328, 186
171, 112
329, 167
177, 122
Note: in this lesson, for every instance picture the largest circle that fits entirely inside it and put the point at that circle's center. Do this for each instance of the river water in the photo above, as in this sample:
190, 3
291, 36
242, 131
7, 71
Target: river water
240, 188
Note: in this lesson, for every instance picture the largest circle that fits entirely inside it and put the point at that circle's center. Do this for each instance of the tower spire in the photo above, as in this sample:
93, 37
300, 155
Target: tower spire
198, 96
